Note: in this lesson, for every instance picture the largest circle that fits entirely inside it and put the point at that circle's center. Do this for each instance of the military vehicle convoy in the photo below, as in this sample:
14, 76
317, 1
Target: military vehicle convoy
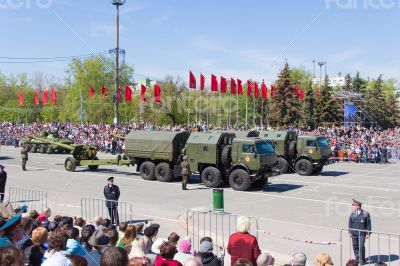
41, 145
219, 157
307, 154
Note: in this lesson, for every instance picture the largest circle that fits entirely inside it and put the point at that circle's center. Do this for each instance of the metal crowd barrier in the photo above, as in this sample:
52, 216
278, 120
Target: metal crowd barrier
217, 225
34, 199
94, 207
379, 247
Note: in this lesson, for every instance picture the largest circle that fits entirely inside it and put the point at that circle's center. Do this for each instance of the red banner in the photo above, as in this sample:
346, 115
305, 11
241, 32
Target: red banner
20, 98
264, 90
36, 98
91, 92
256, 90
240, 87
233, 86
53, 96
142, 93
192, 80
202, 81
223, 85
273, 89
128, 94
104, 91
214, 83
157, 93
249, 87
45, 97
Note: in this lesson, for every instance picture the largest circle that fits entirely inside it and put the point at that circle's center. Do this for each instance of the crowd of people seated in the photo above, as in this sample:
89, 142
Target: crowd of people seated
33, 238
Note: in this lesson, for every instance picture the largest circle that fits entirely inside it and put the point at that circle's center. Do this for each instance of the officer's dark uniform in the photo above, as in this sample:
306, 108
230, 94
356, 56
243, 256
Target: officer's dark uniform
185, 172
112, 194
24, 154
360, 220
3, 179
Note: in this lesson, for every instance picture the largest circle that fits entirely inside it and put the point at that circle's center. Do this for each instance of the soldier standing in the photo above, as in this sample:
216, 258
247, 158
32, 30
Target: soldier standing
361, 221
185, 171
112, 193
24, 154
3, 180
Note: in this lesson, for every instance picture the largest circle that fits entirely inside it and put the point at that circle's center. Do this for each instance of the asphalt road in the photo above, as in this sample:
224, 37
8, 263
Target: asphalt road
313, 208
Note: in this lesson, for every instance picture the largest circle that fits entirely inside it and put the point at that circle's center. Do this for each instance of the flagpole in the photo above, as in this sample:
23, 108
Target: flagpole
262, 112
210, 105
237, 107
254, 107
219, 110
188, 109
197, 110
230, 108
246, 109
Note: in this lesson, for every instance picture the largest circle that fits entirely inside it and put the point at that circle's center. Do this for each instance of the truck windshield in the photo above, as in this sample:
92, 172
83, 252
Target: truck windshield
322, 142
264, 147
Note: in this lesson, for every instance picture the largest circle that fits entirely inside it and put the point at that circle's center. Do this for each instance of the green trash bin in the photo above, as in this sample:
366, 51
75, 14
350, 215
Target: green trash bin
218, 199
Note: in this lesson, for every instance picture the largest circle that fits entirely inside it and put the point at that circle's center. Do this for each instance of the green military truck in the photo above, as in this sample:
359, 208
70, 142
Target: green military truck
219, 157
306, 154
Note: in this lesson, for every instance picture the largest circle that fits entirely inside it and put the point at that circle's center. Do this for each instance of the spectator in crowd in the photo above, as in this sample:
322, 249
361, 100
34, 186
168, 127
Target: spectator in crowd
174, 238
36, 252
242, 244
77, 260
92, 255
206, 254
352, 263
112, 234
130, 235
3, 180
137, 249
99, 242
11, 256
193, 262
137, 261
299, 259
121, 230
323, 259
27, 226
242, 262
79, 223
167, 253
155, 250
139, 230
13, 232
73, 245
184, 249
56, 254
150, 233
97, 221
44, 216
105, 224
265, 259
114, 256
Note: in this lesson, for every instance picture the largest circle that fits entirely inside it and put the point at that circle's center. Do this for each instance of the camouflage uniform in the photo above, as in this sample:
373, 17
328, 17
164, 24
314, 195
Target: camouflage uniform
24, 154
185, 172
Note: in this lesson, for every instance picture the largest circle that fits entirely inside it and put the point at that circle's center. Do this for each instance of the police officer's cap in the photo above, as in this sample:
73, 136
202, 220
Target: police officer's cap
110, 178
356, 202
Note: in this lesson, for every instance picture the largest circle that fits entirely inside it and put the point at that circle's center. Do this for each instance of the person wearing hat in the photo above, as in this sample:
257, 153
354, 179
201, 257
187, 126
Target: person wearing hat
150, 233
112, 193
24, 155
3, 180
12, 232
185, 171
360, 221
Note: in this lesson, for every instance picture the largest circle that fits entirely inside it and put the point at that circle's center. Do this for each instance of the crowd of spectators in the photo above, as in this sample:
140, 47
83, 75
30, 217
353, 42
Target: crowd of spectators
32, 238
351, 144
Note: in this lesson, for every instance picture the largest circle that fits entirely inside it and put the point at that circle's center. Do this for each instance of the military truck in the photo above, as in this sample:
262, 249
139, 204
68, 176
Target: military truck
306, 154
219, 157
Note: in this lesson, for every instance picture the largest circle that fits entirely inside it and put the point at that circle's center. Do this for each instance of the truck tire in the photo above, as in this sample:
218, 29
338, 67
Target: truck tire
239, 180
49, 149
303, 167
147, 170
163, 172
34, 148
42, 148
93, 167
211, 177
282, 165
318, 169
292, 148
226, 155
70, 164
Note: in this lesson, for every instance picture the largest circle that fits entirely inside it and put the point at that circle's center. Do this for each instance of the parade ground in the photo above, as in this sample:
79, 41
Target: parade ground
292, 210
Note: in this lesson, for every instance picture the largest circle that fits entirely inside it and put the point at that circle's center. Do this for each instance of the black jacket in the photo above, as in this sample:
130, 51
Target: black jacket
208, 258
111, 193
3, 179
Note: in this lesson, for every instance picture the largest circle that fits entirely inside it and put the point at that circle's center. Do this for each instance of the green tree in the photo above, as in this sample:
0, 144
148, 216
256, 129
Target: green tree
376, 103
359, 85
328, 109
310, 106
347, 83
393, 112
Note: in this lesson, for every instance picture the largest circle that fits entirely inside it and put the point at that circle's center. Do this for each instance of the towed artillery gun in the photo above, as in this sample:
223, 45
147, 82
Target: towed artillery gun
41, 144
86, 155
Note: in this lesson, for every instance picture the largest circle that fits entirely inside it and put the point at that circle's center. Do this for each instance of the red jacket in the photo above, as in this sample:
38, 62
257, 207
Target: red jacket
243, 246
163, 262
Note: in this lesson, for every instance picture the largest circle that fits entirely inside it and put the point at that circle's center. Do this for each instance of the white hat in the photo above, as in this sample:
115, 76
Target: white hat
155, 248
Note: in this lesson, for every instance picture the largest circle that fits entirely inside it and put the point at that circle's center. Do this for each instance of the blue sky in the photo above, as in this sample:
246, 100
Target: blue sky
241, 39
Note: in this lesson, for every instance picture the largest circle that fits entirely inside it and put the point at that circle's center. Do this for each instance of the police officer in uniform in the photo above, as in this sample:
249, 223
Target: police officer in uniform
360, 220
112, 193
24, 155
185, 171
3, 180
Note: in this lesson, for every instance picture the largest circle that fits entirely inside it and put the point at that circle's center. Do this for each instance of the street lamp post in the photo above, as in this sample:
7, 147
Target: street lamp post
320, 72
117, 3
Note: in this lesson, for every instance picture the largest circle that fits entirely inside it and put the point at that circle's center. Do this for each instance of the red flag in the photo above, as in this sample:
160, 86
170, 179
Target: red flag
91, 92
104, 91
119, 95
240, 88
256, 90
53, 96
317, 92
233, 86
142, 93
300, 93
223, 85
157, 94
273, 89
128, 93
20, 98
192, 80
264, 90
214, 83
202, 81
45, 97
249, 87
36, 98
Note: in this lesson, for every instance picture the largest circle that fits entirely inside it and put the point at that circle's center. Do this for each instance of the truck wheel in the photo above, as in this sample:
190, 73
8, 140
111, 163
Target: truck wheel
211, 177
303, 167
260, 183
93, 167
28, 147
318, 169
147, 170
70, 164
50, 149
33, 148
239, 180
282, 165
226, 156
292, 148
43, 148
163, 173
